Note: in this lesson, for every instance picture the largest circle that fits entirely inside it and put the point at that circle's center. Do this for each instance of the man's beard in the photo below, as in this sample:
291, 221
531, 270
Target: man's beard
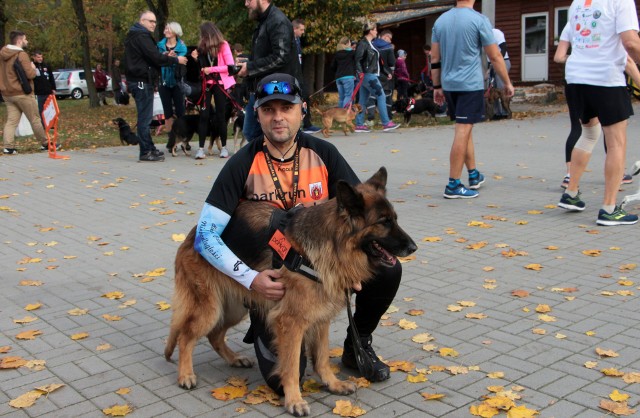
253, 14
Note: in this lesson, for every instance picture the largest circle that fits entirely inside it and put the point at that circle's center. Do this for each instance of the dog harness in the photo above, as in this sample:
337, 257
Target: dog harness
411, 104
283, 252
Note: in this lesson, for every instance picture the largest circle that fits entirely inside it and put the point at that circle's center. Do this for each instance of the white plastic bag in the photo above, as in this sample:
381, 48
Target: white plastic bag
157, 105
24, 127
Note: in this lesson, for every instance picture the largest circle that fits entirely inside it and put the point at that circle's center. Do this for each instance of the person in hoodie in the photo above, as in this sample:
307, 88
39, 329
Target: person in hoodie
388, 64
44, 83
170, 92
17, 101
142, 67
344, 67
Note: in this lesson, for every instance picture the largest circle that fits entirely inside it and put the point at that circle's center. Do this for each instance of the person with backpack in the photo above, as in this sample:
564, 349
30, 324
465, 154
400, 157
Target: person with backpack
16, 86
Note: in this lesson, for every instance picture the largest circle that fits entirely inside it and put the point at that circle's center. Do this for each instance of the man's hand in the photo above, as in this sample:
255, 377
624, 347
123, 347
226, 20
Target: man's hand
438, 96
266, 286
194, 54
182, 60
509, 90
243, 69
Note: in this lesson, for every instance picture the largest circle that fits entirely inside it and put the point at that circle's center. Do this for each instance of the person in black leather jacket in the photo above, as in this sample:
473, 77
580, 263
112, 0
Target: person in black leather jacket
368, 69
273, 50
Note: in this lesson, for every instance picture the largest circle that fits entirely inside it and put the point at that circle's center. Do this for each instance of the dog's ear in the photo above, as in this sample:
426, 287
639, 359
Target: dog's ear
379, 180
349, 199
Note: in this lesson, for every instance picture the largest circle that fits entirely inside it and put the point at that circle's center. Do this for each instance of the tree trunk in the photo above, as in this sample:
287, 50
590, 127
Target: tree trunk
78, 7
320, 77
161, 10
3, 22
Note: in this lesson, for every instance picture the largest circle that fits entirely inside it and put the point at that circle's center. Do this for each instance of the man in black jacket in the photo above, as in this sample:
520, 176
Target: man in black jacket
273, 50
142, 67
44, 83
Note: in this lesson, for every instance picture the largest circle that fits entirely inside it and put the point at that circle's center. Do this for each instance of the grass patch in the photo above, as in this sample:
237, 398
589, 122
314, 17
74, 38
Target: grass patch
79, 126
82, 127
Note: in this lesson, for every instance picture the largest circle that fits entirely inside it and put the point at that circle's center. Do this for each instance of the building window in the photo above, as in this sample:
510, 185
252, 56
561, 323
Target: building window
562, 17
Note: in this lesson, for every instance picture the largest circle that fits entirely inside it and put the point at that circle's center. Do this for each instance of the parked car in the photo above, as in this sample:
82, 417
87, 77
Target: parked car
72, 83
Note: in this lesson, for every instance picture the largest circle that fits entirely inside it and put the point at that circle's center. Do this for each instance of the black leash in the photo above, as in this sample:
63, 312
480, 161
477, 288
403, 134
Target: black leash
365, 366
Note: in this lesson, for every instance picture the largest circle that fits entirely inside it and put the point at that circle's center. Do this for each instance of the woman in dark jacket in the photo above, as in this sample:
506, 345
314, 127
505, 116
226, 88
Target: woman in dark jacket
344, 66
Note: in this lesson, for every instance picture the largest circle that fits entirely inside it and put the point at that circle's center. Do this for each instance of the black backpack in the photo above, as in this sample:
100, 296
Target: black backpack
22, 76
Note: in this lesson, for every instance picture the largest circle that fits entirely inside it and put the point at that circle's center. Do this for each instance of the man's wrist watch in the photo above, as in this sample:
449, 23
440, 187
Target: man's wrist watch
439, 86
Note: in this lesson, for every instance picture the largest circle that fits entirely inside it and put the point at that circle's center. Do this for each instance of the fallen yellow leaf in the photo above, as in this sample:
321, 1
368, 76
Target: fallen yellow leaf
617, 396
118, 410
28, 335
345, 409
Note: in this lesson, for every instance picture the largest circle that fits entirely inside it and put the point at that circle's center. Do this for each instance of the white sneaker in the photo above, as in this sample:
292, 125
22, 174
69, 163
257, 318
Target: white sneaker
224, 153
200, 154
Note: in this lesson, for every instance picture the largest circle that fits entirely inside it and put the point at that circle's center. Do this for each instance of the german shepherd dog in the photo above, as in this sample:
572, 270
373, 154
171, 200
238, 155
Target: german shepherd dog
491, 95
346, 239
340, 115
127, 136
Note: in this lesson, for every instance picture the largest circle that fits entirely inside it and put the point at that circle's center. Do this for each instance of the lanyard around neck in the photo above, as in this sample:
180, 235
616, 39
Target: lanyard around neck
276, 181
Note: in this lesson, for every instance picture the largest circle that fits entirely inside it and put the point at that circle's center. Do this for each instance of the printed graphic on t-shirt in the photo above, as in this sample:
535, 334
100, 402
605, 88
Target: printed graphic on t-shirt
585, 23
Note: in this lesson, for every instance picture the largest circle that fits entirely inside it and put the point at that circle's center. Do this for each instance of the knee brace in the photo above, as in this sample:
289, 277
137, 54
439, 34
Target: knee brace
589, 137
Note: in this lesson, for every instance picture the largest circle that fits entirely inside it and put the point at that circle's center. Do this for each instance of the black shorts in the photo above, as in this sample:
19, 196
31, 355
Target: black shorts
609, 104
465, 106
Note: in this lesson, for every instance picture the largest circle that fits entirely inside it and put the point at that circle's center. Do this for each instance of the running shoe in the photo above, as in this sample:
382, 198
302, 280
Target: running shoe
565, 182
390, 126
476, 182
459, 192
571, 203
627, 179
618, 217
362, 129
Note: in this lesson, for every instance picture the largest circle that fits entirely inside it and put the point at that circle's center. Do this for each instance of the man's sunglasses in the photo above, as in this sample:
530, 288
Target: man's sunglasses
277, 87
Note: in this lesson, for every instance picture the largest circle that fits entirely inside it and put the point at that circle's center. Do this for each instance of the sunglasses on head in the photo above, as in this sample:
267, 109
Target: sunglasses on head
277, 87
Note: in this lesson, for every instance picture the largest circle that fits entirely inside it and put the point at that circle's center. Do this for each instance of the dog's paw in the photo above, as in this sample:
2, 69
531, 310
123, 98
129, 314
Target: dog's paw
188, 381
298, 408
342, 387
242, 361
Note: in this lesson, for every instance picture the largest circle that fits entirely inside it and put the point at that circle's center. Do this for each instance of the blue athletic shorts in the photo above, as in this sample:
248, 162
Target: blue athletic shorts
465, 106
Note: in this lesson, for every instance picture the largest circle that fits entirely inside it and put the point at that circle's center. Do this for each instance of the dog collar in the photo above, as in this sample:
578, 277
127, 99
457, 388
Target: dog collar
411, 104
283, 252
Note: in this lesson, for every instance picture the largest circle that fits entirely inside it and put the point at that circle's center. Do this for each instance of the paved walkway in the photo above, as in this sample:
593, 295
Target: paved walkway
100, 222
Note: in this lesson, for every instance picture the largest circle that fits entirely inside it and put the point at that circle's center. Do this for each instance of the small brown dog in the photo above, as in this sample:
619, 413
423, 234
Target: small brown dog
340, 115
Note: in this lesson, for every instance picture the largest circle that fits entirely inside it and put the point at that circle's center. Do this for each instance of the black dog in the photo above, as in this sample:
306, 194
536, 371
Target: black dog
127, 137
414, 107
183, 130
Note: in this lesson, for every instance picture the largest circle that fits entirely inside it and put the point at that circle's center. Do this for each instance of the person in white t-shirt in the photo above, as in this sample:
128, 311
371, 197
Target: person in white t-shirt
601, 33
498, 110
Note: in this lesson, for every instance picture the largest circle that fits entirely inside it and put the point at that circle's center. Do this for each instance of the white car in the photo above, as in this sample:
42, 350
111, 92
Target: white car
73, 83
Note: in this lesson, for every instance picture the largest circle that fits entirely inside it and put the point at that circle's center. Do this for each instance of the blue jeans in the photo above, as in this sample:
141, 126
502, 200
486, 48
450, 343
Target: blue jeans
143, 95
345, 90
251, 128
371, 87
